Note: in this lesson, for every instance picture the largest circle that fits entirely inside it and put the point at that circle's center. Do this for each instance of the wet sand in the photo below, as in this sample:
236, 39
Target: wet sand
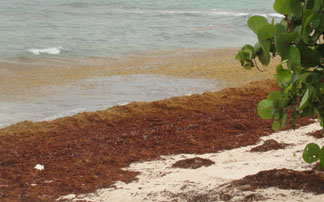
24, 78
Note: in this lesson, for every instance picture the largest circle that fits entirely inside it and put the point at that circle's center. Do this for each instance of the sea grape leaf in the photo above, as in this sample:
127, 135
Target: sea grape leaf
274, 96
316, 22
321, 156
276, 126
300, 36
249, 50
310, 4
296, 7
247, 65
265, 32
265, 109
320, 49
283, 43
293, 57
305, 99
284, 120
284, 75
245, 56
256, 22
265, 44
264, 56
279, 29
311, 153
306, 78
238, 56
317, 5
283, 102
309, 57
307, 18
282, 6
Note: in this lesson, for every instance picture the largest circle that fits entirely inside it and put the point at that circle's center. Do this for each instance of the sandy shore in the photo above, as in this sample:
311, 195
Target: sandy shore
160, 181
88, 151
24, 77
93, 150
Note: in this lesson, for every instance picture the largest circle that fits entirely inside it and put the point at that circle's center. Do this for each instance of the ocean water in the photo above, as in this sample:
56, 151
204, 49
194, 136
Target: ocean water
37, 37
97, 94
92, 28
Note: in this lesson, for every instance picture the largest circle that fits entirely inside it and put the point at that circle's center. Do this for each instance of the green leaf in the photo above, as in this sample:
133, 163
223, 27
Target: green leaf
265, 32
309, 57
282, 6
311, 153
264, 56
249, 51
283, 102
305, 99
238, 56
300, 35
310, 4
284, 120
294, 119
296, 7
306, 78
274, 96
283, 43
320, 49
307, 18
317, 5
256, 22
284, 75
265, 44
293, 57
321, 156
279, 29
276, 126
247, 65
265, 109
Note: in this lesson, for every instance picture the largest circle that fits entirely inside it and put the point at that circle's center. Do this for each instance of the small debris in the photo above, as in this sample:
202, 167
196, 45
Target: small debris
39, 167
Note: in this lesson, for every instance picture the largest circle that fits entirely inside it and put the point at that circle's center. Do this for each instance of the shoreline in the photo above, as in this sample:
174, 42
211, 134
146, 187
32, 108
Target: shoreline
48, 88
87, 151
24, 83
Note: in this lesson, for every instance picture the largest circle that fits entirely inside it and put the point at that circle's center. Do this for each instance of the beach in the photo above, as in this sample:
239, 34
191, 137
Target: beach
91, 150
143, 101
45, 89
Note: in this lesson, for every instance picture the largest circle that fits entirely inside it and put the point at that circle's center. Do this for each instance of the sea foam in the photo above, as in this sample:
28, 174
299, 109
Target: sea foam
50, 51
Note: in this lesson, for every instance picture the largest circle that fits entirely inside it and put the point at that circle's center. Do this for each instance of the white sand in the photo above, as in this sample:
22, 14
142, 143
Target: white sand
159, 182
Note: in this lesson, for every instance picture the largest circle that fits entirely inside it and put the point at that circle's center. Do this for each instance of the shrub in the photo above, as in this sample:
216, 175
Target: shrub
298, 40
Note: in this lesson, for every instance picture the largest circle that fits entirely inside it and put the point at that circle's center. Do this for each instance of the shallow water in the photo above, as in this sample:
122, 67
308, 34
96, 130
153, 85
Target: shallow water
61, 57
92, 28
99, 93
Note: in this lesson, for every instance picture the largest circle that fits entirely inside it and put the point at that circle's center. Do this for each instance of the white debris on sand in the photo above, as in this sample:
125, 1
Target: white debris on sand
39, 167
158, 181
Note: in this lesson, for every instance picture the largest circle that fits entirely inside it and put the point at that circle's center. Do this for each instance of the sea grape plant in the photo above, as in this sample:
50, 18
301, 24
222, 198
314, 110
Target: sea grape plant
298, 40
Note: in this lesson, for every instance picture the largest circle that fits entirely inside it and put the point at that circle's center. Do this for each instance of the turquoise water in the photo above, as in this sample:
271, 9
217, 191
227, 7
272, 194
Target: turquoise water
104, 28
